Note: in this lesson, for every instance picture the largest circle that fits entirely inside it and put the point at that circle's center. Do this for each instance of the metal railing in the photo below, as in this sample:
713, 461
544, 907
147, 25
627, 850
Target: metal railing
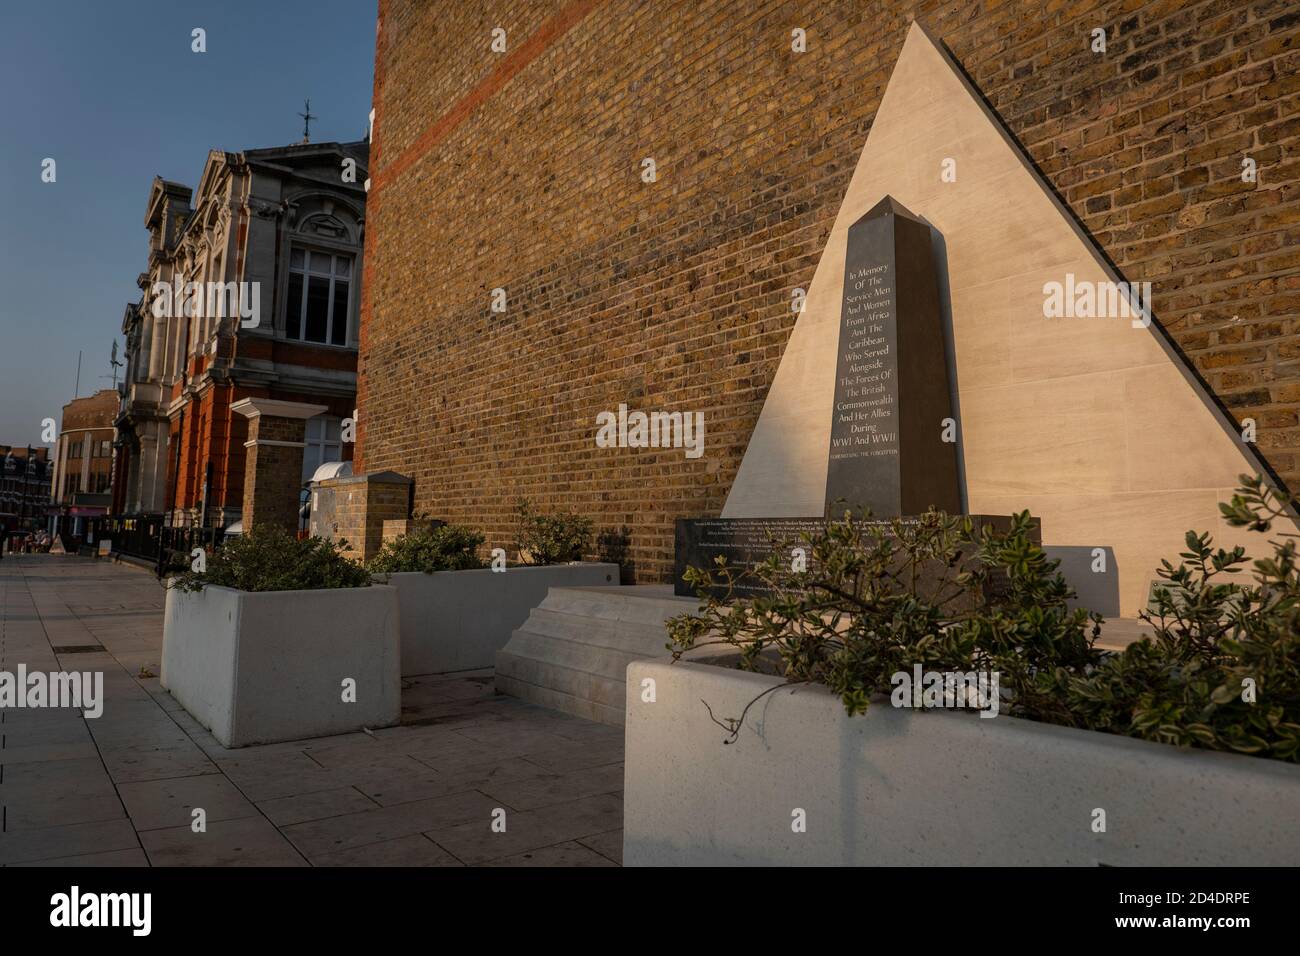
148, 538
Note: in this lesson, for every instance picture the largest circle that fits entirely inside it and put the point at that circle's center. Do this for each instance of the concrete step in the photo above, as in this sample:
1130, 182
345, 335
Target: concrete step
557, 700
571, 681
573, 651
527, 645
650, 604
614, 634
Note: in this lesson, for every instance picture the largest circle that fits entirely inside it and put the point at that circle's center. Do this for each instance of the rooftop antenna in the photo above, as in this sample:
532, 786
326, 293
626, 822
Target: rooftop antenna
113, 361
307, 117
76, 393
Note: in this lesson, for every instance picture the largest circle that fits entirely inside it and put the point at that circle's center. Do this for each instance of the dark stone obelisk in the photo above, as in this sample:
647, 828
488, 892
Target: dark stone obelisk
892, 393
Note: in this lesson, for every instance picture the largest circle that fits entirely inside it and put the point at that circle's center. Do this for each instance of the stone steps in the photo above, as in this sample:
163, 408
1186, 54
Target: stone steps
573, 651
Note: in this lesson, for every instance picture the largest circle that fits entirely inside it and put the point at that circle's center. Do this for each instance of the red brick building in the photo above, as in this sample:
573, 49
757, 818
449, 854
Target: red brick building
524, 171
271, 242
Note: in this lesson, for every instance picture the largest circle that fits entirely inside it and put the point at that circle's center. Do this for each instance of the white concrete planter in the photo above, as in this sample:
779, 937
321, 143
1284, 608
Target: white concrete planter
899, 787
270, 666
458, 620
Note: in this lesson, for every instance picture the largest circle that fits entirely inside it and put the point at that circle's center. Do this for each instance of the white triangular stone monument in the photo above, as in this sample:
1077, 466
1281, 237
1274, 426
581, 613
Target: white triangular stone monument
1094, 425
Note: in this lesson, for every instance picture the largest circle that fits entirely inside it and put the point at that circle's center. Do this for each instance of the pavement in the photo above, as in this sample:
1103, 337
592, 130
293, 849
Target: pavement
120, 789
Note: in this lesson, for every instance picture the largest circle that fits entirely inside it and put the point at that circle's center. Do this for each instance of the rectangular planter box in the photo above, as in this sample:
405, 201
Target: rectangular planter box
940, 788
458, 620
269, 666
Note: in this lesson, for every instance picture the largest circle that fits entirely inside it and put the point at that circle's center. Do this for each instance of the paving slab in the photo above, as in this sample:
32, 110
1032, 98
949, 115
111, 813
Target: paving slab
404, 819
119, 790
388, 789
413, 850
157, 763
579, 755
562, 854
609, 845
159, 804
111, 858
32, 810
46, 750
531, 793
21, 846
286, 811
531, 830
248, 841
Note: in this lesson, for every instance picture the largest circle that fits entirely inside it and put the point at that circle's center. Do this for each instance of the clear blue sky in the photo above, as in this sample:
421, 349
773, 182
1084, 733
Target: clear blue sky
111, 90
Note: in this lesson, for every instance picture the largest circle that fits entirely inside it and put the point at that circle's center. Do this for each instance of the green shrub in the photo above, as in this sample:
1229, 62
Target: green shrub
860, 613
447, 547
551, 538
271, 559
1223, 669
862, 610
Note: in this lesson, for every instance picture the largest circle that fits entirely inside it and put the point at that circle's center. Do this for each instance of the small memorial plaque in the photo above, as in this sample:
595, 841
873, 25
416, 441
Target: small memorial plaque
748, 542
744, 542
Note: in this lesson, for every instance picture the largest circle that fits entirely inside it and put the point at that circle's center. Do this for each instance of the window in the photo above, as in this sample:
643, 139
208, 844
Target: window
323, 443
316, 309
74, 450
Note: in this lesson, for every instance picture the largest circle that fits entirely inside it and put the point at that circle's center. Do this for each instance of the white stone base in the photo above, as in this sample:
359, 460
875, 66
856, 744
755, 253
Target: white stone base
269, 666
458, 620
899, 787
573, 651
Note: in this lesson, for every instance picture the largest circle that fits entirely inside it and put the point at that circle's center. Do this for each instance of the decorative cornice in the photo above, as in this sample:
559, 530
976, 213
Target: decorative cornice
274, 408
276, 443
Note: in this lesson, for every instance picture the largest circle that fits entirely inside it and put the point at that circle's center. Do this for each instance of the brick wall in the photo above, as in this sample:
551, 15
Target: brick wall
93, 411
273, 472
365, 511
522, 171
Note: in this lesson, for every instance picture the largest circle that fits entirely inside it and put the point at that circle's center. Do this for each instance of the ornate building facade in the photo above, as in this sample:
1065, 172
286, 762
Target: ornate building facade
252, 292
24, 487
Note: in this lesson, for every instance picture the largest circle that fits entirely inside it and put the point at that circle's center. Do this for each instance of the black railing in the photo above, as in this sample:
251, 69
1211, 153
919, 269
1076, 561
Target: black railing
146, 537
178, 544
136, 536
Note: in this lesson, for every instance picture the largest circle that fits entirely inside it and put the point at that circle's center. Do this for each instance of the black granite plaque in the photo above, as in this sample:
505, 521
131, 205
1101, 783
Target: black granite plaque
887, 451
747, 542
744, 542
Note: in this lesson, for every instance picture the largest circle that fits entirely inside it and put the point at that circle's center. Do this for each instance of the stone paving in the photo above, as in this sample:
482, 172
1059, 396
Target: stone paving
119, 790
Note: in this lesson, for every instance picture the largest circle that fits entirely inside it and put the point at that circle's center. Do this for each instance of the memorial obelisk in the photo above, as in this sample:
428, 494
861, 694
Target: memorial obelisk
893, 404
893, 434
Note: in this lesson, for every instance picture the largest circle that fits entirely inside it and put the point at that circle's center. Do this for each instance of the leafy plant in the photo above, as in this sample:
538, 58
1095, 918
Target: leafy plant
1223, 668
269, 558
446, 547
551, 538
876, 598
1221, 671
